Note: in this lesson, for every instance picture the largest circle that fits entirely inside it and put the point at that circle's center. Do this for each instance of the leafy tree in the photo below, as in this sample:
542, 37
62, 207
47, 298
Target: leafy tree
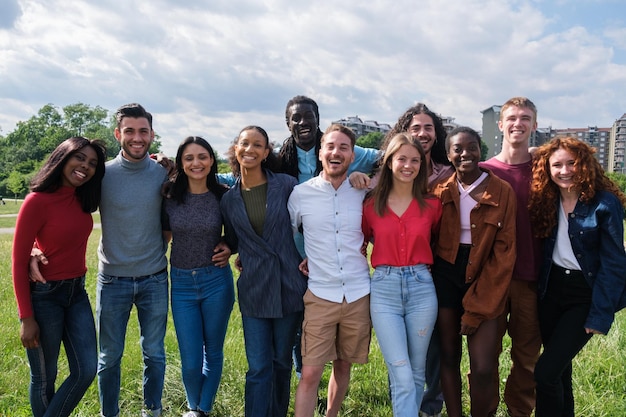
24, 149
371, 140
16, 183
619, 179
484, 150
223, 167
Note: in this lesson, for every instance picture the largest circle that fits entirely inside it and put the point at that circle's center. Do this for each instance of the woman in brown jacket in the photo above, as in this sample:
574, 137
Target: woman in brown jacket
472, 271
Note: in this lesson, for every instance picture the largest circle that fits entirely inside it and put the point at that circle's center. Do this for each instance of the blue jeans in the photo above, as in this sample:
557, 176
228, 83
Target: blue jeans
63, 313
202, 300
114, 300
403, 306
269, 344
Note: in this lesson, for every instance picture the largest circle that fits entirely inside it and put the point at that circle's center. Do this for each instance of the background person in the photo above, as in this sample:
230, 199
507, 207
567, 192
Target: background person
202, 290
578, 212
55, 309
270, 286
400, 220
475, 258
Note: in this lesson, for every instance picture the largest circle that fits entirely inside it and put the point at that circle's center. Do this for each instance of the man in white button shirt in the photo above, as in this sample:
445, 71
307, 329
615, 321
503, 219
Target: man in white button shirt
336, 324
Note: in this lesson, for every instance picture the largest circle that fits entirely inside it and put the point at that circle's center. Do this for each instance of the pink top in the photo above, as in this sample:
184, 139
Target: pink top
404, 240
59, 226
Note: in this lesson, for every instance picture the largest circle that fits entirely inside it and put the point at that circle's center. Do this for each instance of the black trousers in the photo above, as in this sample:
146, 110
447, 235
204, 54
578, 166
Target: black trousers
562, 315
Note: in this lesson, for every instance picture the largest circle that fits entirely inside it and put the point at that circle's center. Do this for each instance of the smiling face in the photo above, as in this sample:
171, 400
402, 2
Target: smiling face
251, 149
516, 124
303, 125
405, 164
80, 167
196, 161
336, 155
562, 169
135, 137
464, 153
422, 128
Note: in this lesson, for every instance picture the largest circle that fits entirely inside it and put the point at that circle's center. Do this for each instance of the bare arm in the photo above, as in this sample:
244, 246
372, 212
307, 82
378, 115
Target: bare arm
36, 256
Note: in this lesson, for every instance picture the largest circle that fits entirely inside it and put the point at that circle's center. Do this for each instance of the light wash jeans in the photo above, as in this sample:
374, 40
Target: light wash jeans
202, 300
403, 306
63, 313
115, 298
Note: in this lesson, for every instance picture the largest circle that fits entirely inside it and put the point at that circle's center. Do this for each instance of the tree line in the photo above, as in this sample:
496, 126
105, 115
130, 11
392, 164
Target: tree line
23, 151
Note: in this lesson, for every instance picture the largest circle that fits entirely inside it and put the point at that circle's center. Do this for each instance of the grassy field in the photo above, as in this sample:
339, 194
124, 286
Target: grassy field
599, 371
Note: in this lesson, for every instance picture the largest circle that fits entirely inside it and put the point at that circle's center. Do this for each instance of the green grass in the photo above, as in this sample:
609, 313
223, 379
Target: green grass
8, 215
11, 206
599, 370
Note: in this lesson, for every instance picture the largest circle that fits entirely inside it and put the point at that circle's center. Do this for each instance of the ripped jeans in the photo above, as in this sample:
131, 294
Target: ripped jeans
403, 306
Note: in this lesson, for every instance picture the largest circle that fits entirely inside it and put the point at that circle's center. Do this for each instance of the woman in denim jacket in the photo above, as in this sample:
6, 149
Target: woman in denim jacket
578, 212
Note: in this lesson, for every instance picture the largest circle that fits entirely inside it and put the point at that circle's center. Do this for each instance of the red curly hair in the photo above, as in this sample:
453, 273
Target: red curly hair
544, 193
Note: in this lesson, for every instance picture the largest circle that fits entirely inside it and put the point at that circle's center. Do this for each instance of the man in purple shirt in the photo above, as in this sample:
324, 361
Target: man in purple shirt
518, 119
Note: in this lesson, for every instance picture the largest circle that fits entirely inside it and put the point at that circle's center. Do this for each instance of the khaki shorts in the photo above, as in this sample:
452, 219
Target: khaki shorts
335, 330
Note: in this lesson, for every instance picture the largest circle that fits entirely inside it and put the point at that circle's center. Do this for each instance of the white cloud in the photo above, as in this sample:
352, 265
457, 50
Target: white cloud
211, 67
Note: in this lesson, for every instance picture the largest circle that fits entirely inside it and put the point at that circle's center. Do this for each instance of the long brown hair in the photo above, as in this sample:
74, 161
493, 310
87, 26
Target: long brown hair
380, 193
589, 178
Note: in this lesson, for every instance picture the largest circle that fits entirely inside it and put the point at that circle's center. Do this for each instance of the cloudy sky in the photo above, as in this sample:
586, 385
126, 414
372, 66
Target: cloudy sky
210, 67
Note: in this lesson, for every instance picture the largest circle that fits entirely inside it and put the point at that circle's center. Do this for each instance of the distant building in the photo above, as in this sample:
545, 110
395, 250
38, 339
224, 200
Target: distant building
491, 133
617, 146
599, 138
448, 123
362, 128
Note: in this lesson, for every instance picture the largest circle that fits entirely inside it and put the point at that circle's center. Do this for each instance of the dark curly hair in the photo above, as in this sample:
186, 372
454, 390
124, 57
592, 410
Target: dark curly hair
544, 193
438, 151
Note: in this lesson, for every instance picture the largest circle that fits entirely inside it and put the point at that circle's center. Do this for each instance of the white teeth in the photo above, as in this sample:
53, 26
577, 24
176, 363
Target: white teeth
80, 174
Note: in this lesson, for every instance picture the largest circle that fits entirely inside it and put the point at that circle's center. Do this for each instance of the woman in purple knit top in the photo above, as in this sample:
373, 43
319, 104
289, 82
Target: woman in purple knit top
203, 292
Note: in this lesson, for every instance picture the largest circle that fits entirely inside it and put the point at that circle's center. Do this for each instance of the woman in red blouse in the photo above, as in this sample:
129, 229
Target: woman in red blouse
400, 219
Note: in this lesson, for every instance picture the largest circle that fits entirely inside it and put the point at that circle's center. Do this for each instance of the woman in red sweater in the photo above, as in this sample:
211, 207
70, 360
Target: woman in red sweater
56, 218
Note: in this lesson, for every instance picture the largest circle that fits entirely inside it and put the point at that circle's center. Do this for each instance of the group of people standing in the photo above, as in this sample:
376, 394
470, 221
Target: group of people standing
460, 247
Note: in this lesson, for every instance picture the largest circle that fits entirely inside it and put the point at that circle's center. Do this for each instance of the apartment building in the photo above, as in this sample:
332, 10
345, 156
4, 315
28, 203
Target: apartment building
617, 146
361, 127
